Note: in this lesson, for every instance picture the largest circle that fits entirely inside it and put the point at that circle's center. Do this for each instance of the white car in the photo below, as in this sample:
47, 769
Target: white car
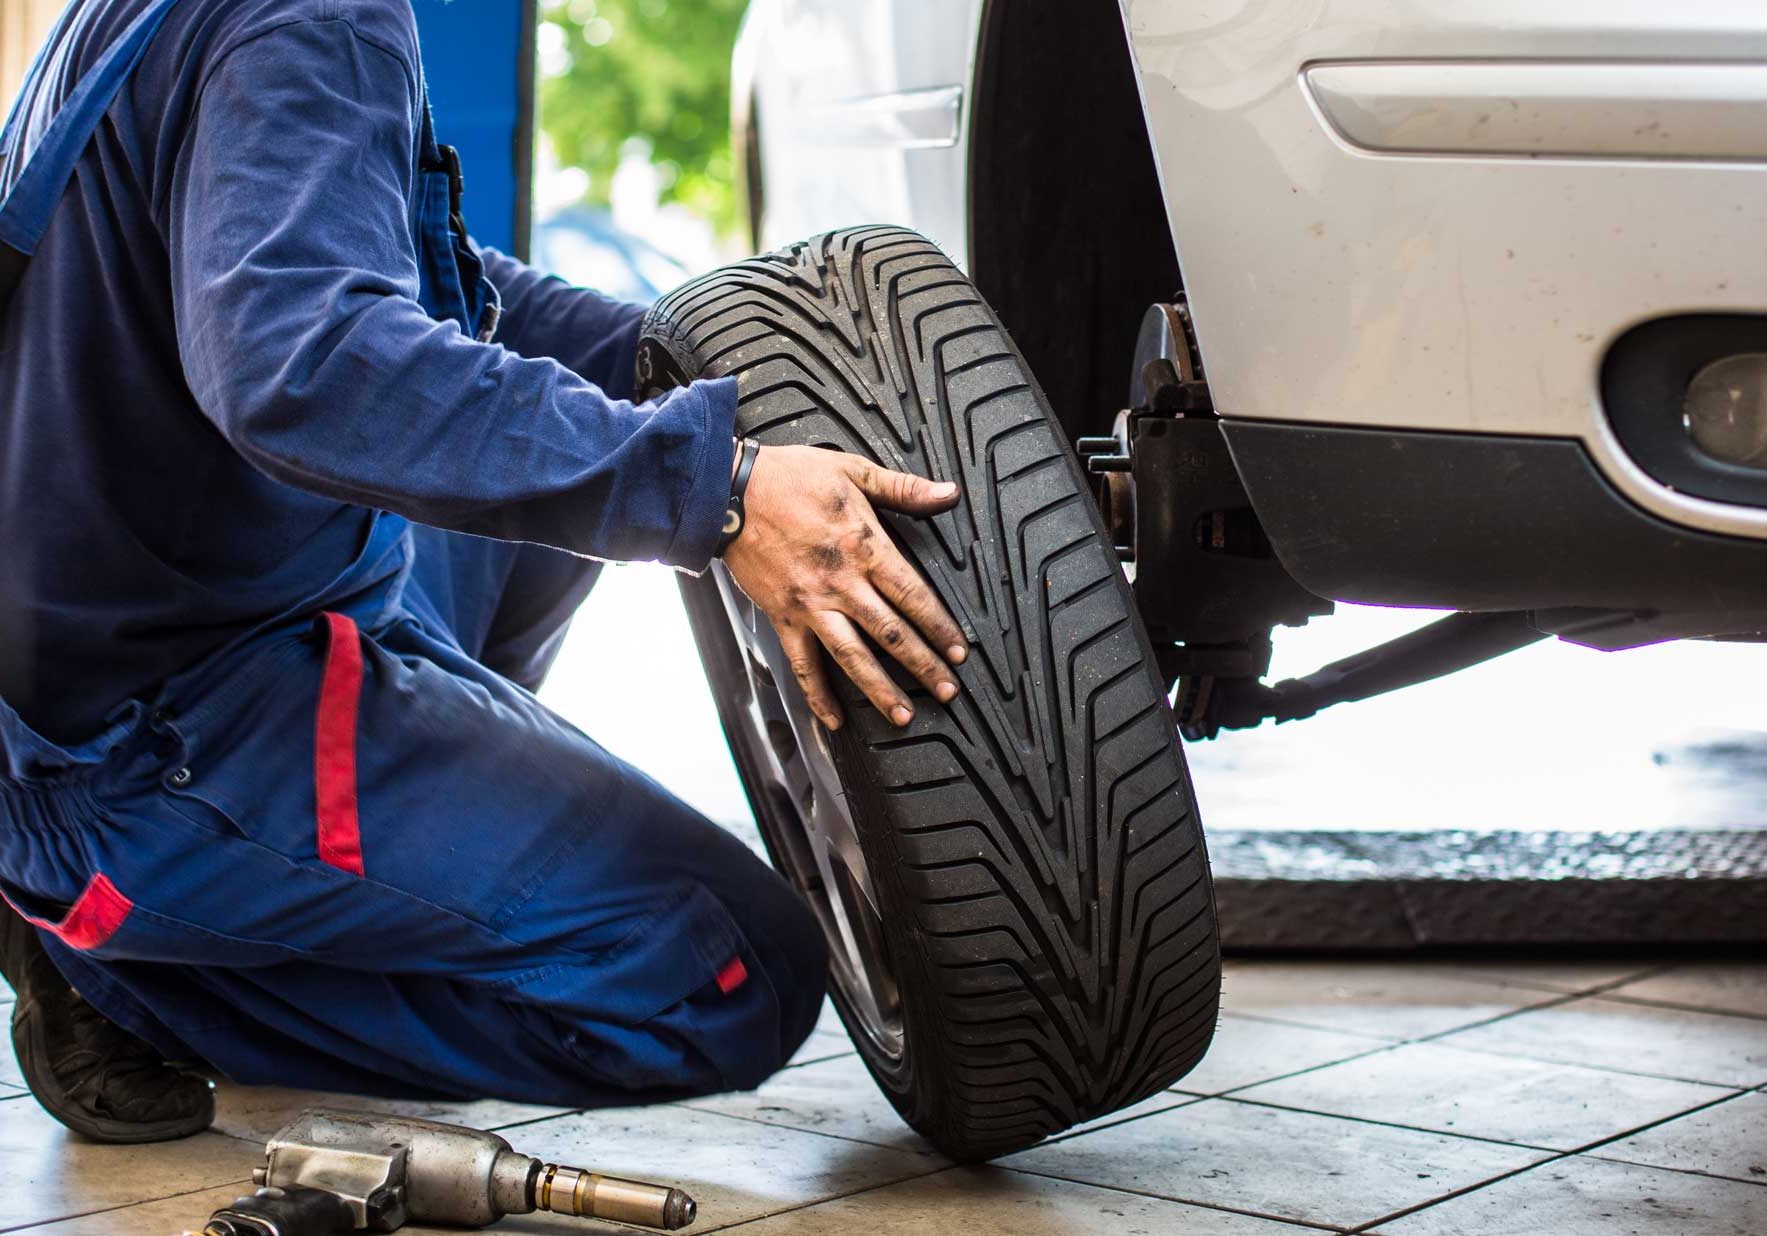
1479, 286
1455, 304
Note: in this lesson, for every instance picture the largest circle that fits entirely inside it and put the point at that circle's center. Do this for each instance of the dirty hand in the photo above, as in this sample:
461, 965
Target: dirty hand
813, 556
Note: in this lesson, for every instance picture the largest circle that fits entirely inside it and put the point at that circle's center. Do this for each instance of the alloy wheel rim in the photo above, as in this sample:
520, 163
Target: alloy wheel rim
811, 831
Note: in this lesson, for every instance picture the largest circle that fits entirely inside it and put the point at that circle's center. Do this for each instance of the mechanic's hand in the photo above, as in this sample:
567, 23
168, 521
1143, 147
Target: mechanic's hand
812, 555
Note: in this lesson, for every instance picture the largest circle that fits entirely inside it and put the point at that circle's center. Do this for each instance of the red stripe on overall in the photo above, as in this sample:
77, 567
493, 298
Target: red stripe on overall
91, 920
334, 748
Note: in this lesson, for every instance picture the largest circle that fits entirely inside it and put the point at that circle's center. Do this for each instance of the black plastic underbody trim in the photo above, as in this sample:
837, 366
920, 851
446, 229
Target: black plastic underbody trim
1480, 522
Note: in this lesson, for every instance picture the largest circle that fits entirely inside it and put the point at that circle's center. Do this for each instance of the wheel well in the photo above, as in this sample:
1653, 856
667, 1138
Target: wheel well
1068, 235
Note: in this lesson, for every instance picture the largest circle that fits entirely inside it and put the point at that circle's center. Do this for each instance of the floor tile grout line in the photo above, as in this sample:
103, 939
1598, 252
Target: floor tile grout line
1562, 1000
1182, 1201
563, 1113
1567, 1064
1634, 976
1602, 1068
1462, 1192
1643, 1128
1183, 1099
798, 1064
1560, 1003
1448, 969
841, 1137
1556, 1157
1581, 1148
1681, 1006
144, 1201
836, 1137
249, 1139
1198, 1096
1679, 1171
1392, 1124
1329, 1064
1559, 998
529, 1122
1268, 1020
1649, 972
1436, 1037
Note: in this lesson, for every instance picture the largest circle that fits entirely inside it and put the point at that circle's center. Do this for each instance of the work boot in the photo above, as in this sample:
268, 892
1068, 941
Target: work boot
90, 1074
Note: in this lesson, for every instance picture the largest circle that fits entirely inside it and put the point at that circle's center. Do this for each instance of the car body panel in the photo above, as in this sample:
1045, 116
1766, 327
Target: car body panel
1362, 241
1470, 291
862, 104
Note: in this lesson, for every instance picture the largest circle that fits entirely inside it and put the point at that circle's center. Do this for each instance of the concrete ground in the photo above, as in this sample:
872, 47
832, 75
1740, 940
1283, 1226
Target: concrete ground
1415, 1099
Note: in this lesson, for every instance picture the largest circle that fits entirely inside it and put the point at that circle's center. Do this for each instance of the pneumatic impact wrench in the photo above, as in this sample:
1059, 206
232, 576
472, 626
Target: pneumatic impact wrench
336, 1171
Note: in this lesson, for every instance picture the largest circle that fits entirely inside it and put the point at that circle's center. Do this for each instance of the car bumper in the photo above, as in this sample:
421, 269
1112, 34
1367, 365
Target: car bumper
1425, 215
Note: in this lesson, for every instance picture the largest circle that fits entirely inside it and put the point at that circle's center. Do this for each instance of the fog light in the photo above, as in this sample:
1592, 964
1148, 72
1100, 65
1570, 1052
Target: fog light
1725, 409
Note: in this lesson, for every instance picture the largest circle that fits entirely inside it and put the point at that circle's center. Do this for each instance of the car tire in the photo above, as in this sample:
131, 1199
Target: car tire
1019, 913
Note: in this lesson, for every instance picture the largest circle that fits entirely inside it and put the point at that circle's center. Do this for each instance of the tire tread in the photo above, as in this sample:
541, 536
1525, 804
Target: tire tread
1059, 955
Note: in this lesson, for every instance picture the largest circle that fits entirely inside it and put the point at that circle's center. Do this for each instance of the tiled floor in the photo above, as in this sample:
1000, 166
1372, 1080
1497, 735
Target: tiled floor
1413, 1099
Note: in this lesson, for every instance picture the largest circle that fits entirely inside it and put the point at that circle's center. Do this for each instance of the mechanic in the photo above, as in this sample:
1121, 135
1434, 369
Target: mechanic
298, 490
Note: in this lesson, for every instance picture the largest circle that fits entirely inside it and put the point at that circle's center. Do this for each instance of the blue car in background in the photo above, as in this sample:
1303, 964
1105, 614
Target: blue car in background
583, 246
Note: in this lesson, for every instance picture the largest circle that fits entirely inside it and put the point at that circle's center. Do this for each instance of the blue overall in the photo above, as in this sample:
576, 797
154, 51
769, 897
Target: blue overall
339, 844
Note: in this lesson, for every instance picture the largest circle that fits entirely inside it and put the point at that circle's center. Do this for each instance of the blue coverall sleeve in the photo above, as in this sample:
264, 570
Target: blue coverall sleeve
594, 336
294, 285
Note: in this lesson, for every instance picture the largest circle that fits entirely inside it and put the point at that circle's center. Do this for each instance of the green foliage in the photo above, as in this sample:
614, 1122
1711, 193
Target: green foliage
656, 70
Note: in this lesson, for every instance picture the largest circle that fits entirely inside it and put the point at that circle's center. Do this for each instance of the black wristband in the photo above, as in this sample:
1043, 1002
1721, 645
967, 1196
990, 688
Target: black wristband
734, 516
